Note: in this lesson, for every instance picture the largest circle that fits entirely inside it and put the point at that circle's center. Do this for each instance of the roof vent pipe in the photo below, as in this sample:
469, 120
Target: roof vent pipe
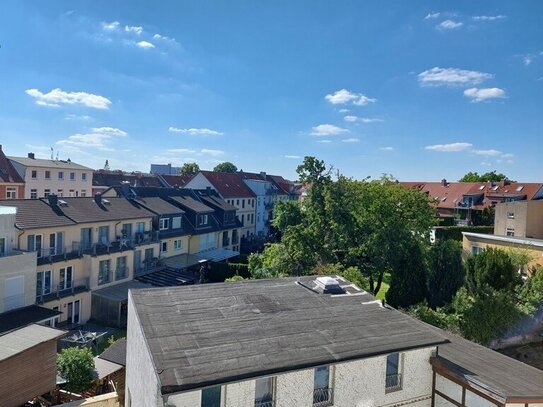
98, 198
31, 155
53, 199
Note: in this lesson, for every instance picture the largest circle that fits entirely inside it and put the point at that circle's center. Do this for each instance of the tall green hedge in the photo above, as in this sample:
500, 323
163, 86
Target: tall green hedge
455, 232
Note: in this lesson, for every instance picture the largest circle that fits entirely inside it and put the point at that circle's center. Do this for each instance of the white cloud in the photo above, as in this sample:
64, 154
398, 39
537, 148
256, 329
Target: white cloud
181, 151
293, 157
78, 117
529, 58
213, 153
488, 18
350, 119
432, 15
133, 29
350, 140
370, 120
449, 25
386, 148
98, 138
324, 141
482, 94
452, 76
488, 153
448, 148
58, 97
110, 131
327, 130
145, 45
113, 26
343, 96
196, 132
353, 119
343, 110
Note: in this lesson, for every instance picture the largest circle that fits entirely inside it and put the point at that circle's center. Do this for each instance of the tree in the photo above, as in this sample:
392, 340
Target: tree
531, 292
445, 272
225, 167
106, 165
490, 176
76, 366
189, 169
493, 268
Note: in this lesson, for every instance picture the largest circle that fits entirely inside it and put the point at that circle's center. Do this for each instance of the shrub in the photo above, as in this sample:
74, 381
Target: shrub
445, 272
76, 366
491, 267
455, 232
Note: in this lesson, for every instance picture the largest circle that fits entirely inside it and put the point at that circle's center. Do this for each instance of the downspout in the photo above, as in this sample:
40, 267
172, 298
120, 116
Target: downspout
19, 236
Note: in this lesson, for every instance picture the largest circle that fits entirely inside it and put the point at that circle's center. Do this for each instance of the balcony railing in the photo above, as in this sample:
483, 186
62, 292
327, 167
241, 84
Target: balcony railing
323, 397
393, 383
70, 287
53, 254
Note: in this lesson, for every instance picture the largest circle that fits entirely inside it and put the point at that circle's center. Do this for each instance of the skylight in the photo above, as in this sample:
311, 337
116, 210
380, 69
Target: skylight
519, 188
481, 187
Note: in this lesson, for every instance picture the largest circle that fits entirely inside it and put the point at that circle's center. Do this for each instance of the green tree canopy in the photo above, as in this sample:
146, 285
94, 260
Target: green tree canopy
493, 268
189, 169
225, 167
76, 366
486, 177
445, 272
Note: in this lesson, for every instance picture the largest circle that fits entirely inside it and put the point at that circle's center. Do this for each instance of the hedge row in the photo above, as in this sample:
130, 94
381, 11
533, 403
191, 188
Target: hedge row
455, 232
222, 271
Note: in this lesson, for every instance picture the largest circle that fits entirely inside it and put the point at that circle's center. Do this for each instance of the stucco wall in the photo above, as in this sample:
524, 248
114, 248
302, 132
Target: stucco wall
15, 265
527, 218
142, 389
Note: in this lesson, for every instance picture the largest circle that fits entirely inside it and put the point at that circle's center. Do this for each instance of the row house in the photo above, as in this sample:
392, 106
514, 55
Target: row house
234, 191
43, 177
308, 341
12, 185
268, 189
81, 245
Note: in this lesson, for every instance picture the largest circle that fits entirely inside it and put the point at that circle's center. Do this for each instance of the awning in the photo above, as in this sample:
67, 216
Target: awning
187, 260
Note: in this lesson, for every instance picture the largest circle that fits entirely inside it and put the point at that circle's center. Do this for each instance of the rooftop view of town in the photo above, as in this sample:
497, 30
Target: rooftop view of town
239, 204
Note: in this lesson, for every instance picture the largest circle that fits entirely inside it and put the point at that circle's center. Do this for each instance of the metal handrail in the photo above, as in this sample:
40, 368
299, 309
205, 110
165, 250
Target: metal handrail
323, 397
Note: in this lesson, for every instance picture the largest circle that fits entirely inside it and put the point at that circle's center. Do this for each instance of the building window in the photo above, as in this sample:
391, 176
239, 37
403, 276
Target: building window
103, 235
164, 223
178, 244
43, 283
11, 193
176, 222
2, 246
511, 215
264, 389
33, 194
253, 203
72, 193
66, 278
84, 176
211, 397
104, 272
243, 203
72, 176
60, 193
164, 247
83, 193
34, 174
475, 250
47, 174
34, 244
140, 227
242, 219
202, 220
322, 390
510, 232
121, 271
46, 193
60, 175
393, 380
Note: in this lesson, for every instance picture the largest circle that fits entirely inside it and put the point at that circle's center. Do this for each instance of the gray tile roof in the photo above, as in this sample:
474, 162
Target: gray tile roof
47, 163
116, 353
217, 333
192, 204
159, 206
35, 213
15, 342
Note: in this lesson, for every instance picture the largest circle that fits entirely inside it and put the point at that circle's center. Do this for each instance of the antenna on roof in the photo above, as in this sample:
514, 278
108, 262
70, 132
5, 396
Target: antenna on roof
52, 153
57, 155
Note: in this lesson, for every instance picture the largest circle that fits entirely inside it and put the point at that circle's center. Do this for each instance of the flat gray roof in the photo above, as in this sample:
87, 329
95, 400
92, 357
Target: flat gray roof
527, 241
208, 334
15, 342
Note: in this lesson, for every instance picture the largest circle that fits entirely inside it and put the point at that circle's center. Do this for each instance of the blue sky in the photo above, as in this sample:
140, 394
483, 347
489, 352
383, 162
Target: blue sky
421, 90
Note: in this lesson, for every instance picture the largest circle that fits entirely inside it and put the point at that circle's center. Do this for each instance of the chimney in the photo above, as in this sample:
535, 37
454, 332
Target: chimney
125, 188
53, 199
443, 182
31, 155
503, 183
263, 174
98, 198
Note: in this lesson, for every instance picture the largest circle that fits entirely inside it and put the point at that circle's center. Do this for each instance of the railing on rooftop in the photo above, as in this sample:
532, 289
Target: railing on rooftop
70, 287
323, 397
393, 382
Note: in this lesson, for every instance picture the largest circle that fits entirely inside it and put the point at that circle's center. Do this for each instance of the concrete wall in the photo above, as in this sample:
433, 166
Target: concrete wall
142, 388
357, 383
526, 220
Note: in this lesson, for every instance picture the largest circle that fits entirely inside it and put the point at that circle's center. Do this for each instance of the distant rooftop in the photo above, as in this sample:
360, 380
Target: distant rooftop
217, 333
48, 163
526, 241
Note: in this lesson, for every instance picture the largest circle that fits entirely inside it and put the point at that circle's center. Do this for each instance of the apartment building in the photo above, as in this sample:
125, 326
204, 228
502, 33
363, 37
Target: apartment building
519, 218
305, 342
164, 169
81, 245
234, 191
267, 192
105, 179
42, 177
12, 185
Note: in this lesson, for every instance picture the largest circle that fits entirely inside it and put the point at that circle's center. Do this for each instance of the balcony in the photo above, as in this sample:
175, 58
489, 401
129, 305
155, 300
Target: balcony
148, 266
61, 291
121, 243
323, 397
393, 383
53, 254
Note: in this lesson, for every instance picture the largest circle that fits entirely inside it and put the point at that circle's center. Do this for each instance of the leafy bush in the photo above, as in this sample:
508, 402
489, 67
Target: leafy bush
221, 271
233, 279
356, 277
455, 232
491, 267
438, 317
530, 294
445, 272
76, 366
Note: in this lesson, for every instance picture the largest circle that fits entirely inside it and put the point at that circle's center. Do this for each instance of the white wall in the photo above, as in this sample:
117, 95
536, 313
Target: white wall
357, 383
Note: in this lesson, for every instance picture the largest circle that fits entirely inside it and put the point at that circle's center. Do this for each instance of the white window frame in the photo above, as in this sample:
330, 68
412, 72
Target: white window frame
61, 175
11, 193
202, 220
164, 223
510, 232
178, 244
164, 247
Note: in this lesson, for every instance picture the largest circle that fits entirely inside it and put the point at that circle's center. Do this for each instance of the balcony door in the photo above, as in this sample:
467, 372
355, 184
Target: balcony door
86, 238
56, 243
66, 280
73, 312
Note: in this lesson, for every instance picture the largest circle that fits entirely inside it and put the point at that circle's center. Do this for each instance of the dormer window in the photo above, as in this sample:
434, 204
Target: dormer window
164, 224
202, 220
229, 217
176, 222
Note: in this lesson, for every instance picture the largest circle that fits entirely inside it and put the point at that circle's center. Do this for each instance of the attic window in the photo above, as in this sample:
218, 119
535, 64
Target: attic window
443, 199
62, 202
495, 188
481, 187
519, 188
105, 202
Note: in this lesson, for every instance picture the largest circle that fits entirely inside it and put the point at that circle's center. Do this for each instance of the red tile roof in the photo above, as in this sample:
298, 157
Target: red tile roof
7, 171
177, 180
229, 185
282, 184
446, 196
